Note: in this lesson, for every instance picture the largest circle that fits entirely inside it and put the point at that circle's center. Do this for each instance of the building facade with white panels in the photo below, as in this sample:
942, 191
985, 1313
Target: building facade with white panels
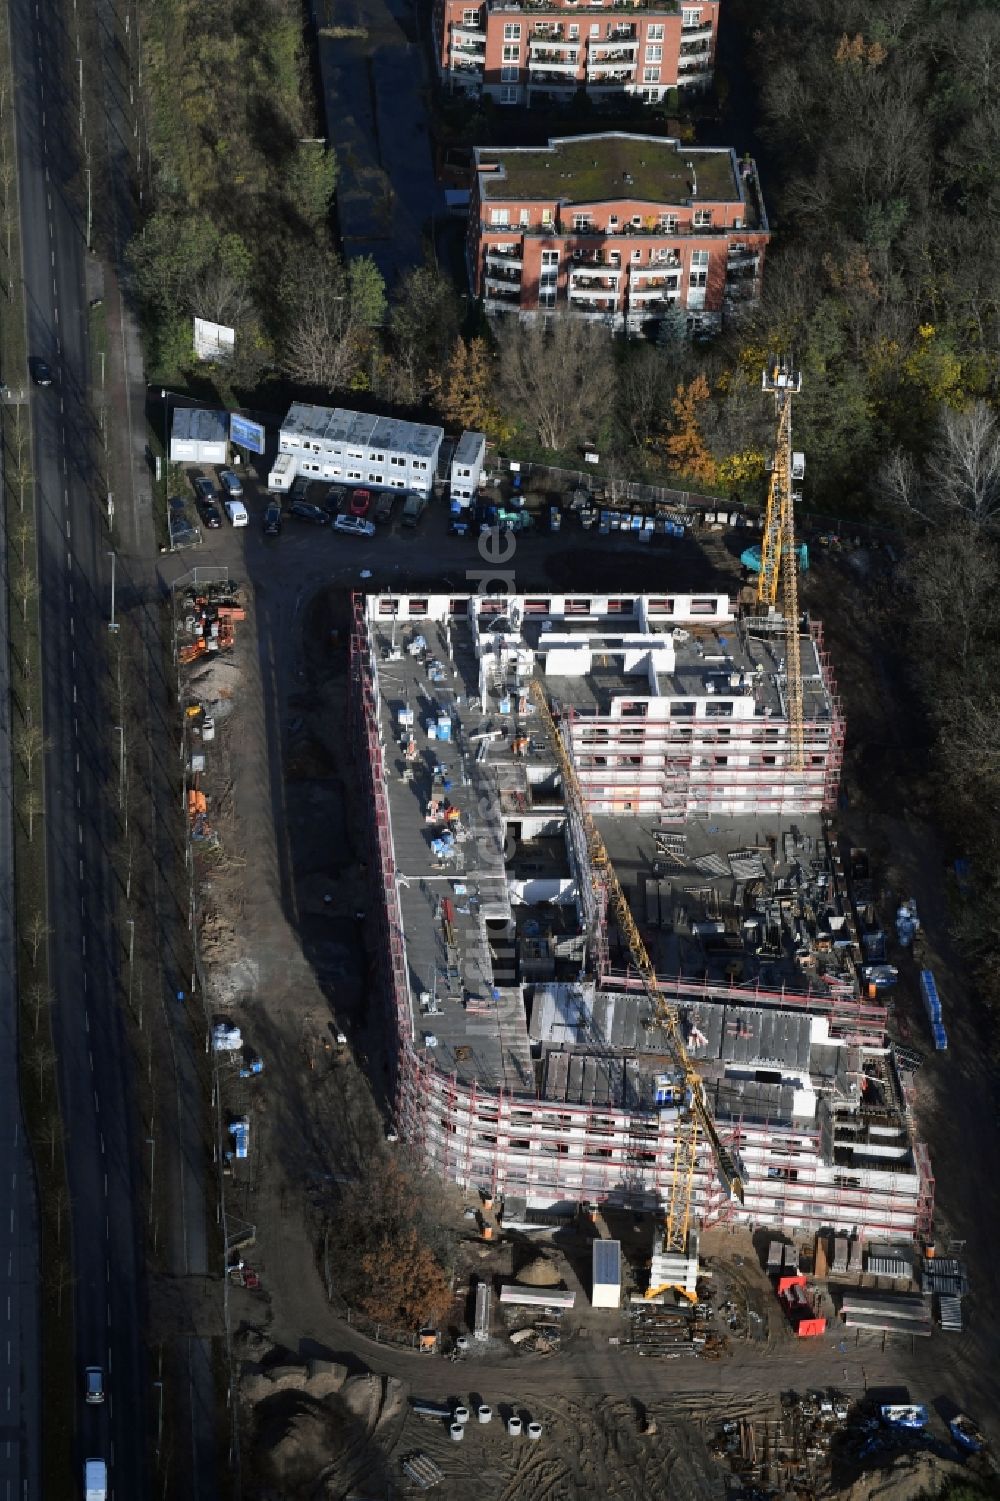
359, 448
467, 466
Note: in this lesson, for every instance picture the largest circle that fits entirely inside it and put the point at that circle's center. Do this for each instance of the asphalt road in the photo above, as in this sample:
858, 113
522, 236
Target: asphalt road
93, 1064
20, 1395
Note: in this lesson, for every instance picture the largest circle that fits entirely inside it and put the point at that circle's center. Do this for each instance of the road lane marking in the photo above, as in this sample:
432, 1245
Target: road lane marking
74, 693
97, 1103
69, 529
79, 833
69, 559
72, 629
76, 726
71, 594
102, 1154
86, 1020
78, 763
83, 947
55, 314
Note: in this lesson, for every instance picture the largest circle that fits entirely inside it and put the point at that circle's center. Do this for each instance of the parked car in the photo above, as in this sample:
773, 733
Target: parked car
305, 511
555, 519
237, 513
40, 372
272, 520
230, 482
300, 488
336, 500
210, 514
354, 526
361, 502
203, 488
413, 509
93, 1384
384, 505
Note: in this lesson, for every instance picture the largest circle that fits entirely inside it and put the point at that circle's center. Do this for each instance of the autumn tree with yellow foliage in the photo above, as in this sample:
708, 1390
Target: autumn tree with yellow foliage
463, 392
686, 450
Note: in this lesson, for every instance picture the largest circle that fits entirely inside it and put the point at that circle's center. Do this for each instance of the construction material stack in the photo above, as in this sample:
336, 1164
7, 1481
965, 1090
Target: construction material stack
932, 1005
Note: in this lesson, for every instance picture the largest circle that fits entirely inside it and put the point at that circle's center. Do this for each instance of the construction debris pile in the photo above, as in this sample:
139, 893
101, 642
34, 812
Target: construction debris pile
208, 619
687, 1330
789, 1452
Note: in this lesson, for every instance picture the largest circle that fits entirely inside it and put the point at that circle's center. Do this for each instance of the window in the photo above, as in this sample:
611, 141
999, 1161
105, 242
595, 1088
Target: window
574, 32
650, 75
470, 17
668, 223
595, 29
612, 221
512, 32
395, 459
550, 257
546, 298
703, 218
699, 260
509, 75
654, 33
636, 257
690, 18
377, 458
354, 474
512, 54
499, 216
581, 223
703, 607
716, 710
654, 54
525, 218
578, 607
682, 709
698, 279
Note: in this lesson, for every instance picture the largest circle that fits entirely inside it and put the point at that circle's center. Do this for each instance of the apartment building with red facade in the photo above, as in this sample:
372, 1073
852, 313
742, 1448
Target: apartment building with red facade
622, 229
540, 52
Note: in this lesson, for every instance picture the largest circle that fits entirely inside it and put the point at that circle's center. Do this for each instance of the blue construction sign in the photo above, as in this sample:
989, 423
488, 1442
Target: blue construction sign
246, 434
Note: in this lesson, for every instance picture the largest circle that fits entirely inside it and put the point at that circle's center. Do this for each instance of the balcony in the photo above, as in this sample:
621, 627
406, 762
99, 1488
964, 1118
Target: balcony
498, 287
542, 68
504, 258
609, 78
600, 279
655, 268
465, 64
743, 260
601, 299
612, 49
541, 43
553, 80
653, 292
469, 36
693, 70
696, 33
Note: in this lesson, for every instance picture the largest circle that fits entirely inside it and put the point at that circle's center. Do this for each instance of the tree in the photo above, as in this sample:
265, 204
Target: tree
463, 391
30, 743
40, 998
330, 312
21, 534
405, 1286
31, 808
423, 326
559, 379
42, 1062
38, 932
309, 182
960, 481
687, 452
26, 589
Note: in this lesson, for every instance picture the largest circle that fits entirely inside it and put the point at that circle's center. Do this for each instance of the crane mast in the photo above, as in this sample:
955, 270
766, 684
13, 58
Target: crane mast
778, 558
694, 1117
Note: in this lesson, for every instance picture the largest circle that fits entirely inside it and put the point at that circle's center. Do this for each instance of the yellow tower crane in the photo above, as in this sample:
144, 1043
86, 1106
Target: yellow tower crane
777, 552
694, 1115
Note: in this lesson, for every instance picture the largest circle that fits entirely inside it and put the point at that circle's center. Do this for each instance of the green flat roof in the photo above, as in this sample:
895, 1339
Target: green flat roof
594, 169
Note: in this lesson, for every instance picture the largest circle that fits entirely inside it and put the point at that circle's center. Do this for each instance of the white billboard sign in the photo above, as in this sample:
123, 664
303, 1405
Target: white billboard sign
213, 341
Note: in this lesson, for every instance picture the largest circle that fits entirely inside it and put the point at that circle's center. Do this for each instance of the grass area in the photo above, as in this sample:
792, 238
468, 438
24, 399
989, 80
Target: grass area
39, 1086
595, 169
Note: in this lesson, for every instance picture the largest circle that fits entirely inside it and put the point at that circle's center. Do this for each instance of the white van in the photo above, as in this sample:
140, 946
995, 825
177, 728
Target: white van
95, 1480
237, 513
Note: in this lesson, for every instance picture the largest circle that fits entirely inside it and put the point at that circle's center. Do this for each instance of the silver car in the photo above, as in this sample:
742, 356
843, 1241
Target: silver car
355, 526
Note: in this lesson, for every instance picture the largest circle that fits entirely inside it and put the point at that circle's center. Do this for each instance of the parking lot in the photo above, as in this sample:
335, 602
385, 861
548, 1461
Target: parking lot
306, 555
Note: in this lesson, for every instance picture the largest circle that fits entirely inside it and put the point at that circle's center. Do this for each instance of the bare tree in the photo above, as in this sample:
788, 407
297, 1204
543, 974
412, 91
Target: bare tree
30, 743
31, 808
42, 1064
51, 1135
26, 589
41, 998
961, 481
38, 932
559, 376
21, 534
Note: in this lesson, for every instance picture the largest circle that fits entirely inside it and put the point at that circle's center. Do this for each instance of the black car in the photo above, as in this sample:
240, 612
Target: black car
203, 488
336, 500
383, 508
40, 372
306, 512
272, 520
210, 514
300, 487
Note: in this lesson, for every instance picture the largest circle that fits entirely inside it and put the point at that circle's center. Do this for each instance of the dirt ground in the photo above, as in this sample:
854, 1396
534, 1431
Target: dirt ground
283, 939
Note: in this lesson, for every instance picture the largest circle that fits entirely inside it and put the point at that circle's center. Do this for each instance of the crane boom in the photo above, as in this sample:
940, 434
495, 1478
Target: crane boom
697, 1117
777, 551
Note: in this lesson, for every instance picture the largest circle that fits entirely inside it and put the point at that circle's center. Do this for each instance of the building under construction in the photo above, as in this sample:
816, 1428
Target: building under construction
525, 1062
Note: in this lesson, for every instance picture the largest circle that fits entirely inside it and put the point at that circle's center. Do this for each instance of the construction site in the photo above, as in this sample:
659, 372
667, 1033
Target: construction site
620, 952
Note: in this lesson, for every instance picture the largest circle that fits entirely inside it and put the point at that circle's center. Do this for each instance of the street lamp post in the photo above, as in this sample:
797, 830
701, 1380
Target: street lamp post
112, 623
151, 1144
